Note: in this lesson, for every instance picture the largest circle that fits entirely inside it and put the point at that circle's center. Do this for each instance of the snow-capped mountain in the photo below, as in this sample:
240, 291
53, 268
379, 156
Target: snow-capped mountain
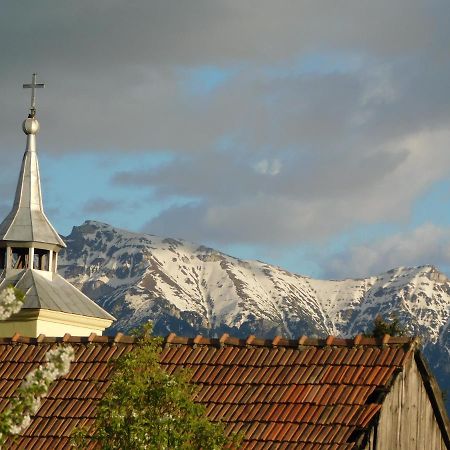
191, 289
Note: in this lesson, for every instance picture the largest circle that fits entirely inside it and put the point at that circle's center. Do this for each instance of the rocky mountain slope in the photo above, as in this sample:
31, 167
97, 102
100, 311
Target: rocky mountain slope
192, 289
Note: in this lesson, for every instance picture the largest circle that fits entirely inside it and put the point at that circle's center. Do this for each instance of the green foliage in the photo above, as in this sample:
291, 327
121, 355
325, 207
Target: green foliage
20, 296
146, 408
393, 327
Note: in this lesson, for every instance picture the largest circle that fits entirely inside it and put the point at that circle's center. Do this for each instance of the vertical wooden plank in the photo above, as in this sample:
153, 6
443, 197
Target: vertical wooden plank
407, 420
420, 414
412, 400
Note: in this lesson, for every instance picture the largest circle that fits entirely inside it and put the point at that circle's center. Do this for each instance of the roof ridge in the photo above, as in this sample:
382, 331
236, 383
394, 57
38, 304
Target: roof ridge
251, 341
279, 341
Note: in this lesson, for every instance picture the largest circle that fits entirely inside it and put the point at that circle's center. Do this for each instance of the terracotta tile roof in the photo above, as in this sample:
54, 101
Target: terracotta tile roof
282, 394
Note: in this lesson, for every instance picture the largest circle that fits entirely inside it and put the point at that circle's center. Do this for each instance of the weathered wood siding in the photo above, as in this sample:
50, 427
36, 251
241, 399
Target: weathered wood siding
407, 420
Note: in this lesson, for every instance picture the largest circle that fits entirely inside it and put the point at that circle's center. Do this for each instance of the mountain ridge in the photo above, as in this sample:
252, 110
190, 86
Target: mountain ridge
192, 289
104, 260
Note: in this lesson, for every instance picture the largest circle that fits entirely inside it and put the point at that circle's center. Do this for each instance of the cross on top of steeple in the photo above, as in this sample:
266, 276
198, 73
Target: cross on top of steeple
33, 85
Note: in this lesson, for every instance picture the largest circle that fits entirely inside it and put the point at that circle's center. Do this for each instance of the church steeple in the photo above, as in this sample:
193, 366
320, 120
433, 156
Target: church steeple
29, 247
27, 226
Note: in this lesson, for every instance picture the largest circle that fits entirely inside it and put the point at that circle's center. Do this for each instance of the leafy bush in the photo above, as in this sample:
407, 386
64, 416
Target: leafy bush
146, 408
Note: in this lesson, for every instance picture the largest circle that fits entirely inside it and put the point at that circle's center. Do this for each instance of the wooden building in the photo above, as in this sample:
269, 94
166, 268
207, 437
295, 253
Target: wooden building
331, 394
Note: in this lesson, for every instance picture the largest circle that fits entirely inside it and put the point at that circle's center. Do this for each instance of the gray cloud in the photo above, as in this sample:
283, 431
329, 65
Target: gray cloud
353, 145
99, 205
113, 68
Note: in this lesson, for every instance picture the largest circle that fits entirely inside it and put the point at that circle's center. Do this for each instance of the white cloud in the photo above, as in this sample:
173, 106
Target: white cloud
268, 167
428, 244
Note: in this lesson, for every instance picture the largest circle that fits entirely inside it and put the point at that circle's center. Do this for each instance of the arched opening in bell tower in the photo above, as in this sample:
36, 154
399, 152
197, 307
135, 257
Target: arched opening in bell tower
41, 260
20, 258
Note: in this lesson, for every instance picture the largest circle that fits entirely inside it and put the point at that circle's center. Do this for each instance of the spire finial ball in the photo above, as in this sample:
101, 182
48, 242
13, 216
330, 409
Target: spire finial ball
30, 126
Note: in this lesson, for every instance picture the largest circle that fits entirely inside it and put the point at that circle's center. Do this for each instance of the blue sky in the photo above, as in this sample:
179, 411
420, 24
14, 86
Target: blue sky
310, 136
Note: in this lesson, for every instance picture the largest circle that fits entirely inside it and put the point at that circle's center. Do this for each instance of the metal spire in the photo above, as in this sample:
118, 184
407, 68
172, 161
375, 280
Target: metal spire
27, 221
33, 85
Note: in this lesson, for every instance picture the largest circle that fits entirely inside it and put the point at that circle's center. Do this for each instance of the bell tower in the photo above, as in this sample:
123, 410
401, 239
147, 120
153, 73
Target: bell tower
27, 239
29, 247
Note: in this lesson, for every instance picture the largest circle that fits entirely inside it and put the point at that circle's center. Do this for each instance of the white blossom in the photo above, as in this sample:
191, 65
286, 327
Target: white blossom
9, 303
34, 388
36, 384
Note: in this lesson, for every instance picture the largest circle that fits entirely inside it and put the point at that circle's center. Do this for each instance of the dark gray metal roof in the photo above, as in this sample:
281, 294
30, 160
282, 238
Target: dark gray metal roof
47, 290
27, 221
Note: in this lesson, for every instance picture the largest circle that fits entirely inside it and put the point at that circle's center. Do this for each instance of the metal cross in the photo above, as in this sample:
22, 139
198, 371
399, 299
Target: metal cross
33, 85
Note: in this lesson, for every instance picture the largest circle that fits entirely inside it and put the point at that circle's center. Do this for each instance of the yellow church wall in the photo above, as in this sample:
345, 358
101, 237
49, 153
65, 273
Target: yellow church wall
60, 329
10, 327
32, 323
